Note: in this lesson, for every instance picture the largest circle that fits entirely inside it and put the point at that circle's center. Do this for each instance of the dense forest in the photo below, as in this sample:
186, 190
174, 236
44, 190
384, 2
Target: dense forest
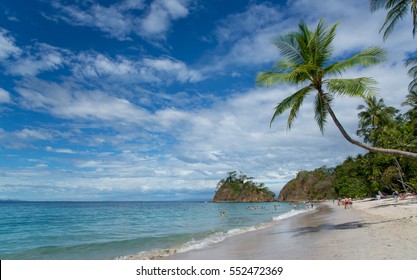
383, 126
367, 174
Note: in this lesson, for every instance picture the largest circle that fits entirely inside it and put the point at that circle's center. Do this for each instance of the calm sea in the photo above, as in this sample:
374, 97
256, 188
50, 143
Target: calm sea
117, 230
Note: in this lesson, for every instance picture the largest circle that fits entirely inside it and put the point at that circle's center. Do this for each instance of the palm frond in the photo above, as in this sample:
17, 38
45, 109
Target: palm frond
376, 4
412, 60
321, 43
270, 78
294, 101
356, 87
321, 105
301, 74
288, 48
412, 86
411, 100
369, 57
412, 72
397, 13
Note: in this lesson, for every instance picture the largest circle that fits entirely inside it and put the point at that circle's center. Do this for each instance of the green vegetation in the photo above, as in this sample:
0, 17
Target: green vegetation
366, 175
310, 185
397, 10
239, 182
308, 63
390, 137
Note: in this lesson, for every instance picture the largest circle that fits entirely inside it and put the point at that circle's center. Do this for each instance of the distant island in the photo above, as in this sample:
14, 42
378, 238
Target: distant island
238, 187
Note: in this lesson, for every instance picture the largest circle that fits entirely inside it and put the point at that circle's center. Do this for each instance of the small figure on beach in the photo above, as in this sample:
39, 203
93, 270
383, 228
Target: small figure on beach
395, 196
346, 203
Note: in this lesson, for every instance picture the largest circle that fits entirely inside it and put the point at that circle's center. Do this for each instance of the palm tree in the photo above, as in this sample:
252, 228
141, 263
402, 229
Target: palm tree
307, 62
397, 10
411, 100
374, 117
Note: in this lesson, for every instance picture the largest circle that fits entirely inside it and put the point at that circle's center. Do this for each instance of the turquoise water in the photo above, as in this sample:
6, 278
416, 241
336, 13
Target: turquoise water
114, 230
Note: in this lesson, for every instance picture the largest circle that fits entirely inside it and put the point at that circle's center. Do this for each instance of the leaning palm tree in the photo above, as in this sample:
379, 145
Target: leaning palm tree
397, 10
307, 62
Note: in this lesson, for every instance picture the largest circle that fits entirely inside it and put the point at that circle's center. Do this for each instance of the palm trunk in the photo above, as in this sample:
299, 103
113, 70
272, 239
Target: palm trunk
366, 147
362, 145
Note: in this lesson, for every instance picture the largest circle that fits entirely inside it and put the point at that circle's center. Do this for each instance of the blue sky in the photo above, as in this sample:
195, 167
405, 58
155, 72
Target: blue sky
156, 100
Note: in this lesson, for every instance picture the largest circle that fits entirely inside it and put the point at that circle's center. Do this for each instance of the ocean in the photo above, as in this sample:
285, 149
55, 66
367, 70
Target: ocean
122, 230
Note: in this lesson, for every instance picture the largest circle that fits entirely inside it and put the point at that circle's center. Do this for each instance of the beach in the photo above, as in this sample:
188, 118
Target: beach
370, 230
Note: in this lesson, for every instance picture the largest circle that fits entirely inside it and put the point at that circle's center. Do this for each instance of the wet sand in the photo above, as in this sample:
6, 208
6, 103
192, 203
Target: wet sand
370, 230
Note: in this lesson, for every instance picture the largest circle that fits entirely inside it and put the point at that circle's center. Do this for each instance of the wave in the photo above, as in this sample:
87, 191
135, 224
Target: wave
211, 239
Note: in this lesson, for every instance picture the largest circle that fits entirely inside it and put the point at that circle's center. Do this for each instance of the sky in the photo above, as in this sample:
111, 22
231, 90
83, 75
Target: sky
156, 99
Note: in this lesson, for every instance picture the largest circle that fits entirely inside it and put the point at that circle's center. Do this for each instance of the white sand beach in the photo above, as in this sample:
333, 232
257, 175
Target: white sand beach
370, 230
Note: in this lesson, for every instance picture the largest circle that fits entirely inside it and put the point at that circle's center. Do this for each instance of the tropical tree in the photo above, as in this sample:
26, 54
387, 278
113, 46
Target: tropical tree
307, 62
374, 117
411, 100
397, 10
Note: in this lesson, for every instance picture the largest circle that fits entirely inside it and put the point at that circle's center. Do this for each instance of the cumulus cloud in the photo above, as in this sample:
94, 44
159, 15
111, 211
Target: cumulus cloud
73, 103
124, 19
160, 15
171, 70
165, 70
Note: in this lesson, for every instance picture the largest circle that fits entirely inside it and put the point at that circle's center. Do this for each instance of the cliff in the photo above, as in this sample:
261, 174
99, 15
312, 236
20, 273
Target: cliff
240, 188
309, 186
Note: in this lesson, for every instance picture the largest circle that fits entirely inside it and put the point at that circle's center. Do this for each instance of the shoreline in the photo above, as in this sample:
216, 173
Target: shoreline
370, 230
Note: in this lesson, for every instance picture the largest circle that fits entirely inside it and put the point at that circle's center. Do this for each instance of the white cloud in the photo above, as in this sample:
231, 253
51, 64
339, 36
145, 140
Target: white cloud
72, 103
97, 65
59, 150
162, 71
160, 15
7, 45
115, 20
37, 59
33, 134
169, 69
4, 96
124, 19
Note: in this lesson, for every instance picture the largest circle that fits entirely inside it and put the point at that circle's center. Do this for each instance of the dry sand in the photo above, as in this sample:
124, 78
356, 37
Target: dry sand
370, 230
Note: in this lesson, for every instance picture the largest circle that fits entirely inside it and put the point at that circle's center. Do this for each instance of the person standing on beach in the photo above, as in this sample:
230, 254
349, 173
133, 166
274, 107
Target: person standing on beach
395, 196
346, 203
